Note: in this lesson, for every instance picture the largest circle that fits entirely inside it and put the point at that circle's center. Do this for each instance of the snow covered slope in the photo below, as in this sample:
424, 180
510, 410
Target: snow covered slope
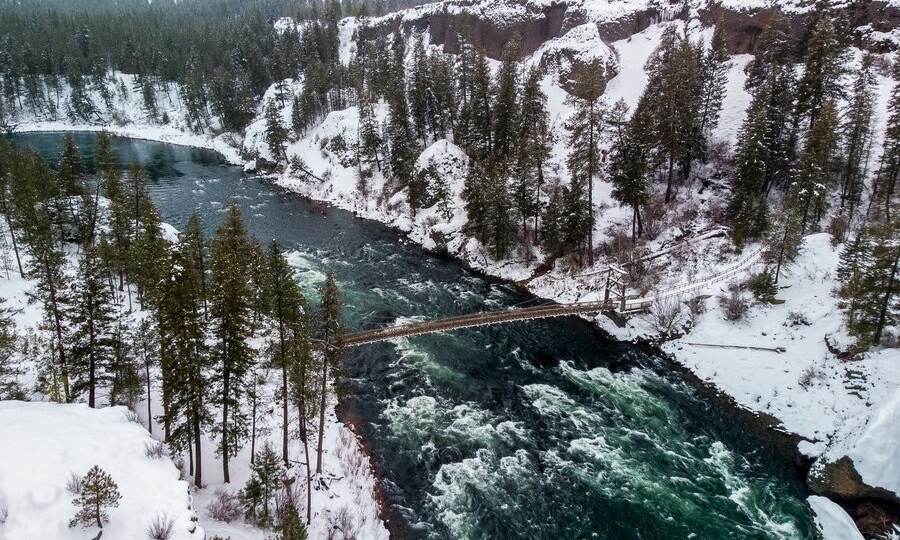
44, 443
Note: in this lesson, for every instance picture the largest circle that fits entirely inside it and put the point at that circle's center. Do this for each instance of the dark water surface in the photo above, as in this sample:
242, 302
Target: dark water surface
532, 430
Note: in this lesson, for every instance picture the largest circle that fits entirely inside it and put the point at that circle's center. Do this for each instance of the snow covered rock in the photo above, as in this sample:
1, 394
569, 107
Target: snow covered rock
832, 521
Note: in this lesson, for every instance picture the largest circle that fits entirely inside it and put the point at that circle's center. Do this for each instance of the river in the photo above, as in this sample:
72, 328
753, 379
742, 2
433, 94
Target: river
529, 430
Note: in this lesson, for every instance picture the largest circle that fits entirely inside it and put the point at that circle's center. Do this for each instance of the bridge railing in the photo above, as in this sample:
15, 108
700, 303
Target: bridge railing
701, 283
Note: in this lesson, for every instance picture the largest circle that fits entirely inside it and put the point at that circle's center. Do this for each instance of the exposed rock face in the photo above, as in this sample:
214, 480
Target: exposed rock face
838, 479
492, 33
872, 508
490, 24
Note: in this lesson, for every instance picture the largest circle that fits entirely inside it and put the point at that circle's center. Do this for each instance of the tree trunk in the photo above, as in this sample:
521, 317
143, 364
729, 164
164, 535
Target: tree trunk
671, 173
198, 469
147, 373
284, 387
225, 390
322, 401
304, 435
190, 460
591, 168
57, 321
12, 234
253, 427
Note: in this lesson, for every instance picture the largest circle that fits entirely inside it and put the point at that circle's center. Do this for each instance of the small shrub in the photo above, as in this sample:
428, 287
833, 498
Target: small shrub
810, 375
734, 304
73, 484
654, 221
225, 506
696, 306
154, 450
4, 513
796, 318
665, 316
342, 526
763, 286
160, 528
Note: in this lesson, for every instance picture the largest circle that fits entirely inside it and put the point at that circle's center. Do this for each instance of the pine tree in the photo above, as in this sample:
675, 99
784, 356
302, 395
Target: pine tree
551, 227
628, 163
257, 495
94, 333
773, 49
480, 113
125, 370
298, 122
330, 333
419, 90
532, 149
856, 135
98, 494
672, 109
779, 141
194, 246
70, 173
46, 265
291, 526
817, 170
824, 64
402, 143
276, 133
870, 282
370, 140
477, 201
303, 388
507, 102
184, 357
260, 288
585, 161
884, 185
10, 370
747, 209
714, 68
230, 312
149, 254
287, 305
442, 100
119, 233
783, 240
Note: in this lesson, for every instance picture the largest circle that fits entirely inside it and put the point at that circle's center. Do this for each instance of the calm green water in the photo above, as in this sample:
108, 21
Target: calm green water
537, 430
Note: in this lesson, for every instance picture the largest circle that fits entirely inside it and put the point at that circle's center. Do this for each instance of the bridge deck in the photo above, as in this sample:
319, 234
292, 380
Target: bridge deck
540, 312
468, 321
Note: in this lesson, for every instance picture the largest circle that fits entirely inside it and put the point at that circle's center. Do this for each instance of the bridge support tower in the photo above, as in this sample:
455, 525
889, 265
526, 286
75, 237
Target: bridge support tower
616, 282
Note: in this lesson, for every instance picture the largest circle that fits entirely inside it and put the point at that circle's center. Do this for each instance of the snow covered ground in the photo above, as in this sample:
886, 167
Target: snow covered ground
44, 443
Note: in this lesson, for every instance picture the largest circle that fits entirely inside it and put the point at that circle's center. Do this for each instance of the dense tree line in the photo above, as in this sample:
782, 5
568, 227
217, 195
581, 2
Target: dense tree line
126, 310
802, 165
216, 57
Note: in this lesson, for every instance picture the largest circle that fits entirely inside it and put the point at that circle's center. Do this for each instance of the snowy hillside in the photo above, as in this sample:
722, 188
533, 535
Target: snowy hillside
54, 441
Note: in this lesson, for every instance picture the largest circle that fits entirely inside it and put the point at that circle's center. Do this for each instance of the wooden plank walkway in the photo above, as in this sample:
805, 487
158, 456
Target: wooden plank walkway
469, 321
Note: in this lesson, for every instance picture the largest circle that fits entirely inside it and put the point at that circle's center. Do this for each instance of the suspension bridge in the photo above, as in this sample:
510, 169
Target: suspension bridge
614, 299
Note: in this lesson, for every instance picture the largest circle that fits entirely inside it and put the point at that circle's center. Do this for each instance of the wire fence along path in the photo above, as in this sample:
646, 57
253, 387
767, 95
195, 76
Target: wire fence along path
540, 312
